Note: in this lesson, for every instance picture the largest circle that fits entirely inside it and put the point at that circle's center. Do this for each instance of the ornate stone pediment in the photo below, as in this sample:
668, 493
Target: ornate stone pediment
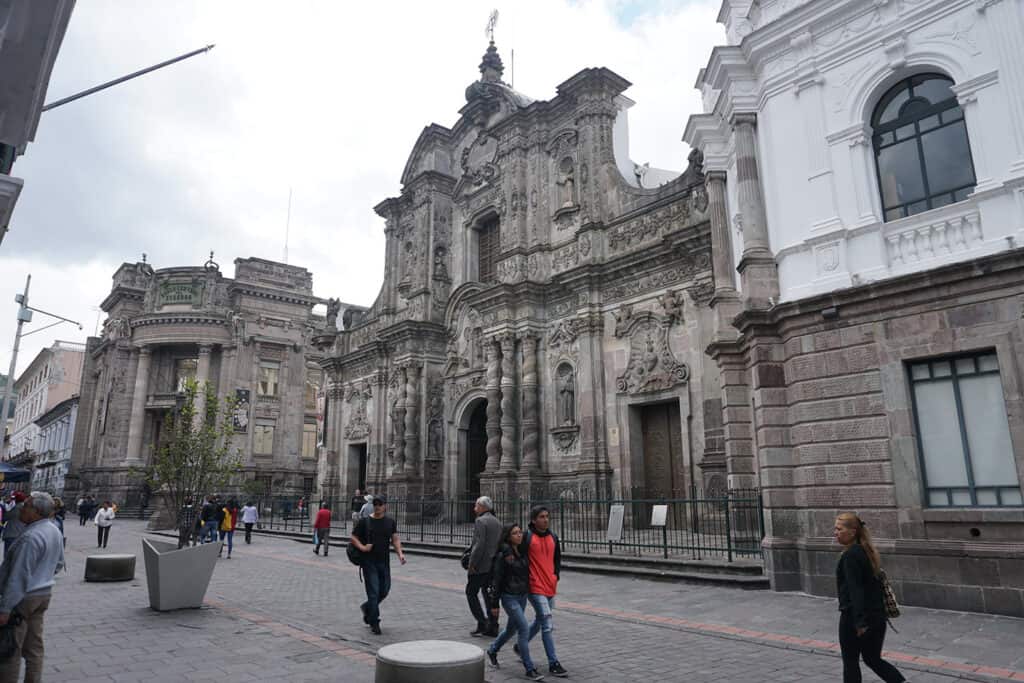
477, 162
652, 365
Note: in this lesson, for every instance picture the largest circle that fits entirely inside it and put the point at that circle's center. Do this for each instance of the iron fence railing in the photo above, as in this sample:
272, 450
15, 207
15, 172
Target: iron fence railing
717, 525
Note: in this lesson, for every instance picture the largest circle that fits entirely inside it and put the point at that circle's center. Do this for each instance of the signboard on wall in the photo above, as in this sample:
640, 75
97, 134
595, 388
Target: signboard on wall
240, 418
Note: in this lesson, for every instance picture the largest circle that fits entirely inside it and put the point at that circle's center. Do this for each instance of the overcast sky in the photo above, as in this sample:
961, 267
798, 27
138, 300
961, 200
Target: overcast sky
326, 98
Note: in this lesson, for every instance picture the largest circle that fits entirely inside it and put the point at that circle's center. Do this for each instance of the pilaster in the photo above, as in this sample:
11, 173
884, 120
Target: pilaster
137, 420
759, 273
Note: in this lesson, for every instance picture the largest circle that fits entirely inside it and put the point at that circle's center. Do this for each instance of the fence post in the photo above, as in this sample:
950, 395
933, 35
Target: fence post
664, 539
728, 528
421, 519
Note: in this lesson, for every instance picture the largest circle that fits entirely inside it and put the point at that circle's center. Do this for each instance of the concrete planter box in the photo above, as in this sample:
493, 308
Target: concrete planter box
178, 578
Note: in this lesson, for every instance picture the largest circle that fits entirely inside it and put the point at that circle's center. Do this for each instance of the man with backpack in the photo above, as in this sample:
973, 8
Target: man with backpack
544, 552
373, 537
486, 536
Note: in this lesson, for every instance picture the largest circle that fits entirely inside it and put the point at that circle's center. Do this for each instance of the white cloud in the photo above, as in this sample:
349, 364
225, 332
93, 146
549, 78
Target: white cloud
324, 97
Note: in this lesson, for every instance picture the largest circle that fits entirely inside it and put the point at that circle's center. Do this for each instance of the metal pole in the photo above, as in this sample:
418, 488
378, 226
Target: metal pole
9, 387
122, 79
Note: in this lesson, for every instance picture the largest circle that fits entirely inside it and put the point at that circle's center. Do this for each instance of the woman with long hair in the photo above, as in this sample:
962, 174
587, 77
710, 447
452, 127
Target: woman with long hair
228, 521
509, 588
862, 617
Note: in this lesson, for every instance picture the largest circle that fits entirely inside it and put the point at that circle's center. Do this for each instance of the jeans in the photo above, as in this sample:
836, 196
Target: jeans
515, 608
377, 581
477, 583
209, 533
868, 646
230, 536
29, 638
248, 532
544, 622
102, 534
323, 537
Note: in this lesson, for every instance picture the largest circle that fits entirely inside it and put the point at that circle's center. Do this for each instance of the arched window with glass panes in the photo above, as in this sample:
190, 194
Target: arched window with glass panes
922, 152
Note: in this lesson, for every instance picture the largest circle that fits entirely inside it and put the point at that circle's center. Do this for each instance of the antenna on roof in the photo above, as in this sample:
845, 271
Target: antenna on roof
287, 225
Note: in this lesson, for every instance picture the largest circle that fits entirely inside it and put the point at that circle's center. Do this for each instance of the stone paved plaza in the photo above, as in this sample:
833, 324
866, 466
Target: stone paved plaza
277, 612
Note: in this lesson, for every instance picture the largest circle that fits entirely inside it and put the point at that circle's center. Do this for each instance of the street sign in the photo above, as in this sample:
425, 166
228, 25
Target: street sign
615, 516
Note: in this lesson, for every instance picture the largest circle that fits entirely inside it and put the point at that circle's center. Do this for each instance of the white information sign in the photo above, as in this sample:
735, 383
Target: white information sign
659, 513
615, 516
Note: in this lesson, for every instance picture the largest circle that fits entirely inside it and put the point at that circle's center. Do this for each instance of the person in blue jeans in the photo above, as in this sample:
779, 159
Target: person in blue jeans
373, 536
544, 551
510, 585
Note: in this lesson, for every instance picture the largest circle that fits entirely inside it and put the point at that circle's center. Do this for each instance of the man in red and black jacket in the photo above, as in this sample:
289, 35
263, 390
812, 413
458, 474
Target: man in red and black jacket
322, 528
544, 551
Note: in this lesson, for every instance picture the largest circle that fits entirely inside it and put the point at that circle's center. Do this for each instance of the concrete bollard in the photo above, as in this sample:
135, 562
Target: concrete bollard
109, 567
430, 661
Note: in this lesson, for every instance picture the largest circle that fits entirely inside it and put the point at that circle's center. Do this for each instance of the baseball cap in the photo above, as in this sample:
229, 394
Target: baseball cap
20, 496
380, 500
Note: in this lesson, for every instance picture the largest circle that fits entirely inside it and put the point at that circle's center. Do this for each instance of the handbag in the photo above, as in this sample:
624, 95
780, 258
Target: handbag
8, 644
464, 560
892, 606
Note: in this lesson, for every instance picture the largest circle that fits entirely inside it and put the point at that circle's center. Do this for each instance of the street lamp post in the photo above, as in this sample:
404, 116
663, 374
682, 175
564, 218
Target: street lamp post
24, 316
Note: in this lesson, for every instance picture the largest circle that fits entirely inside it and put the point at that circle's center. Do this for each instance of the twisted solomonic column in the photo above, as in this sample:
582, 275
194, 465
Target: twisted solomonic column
493, 387
398, 422
507, 463
531, 401
412, 420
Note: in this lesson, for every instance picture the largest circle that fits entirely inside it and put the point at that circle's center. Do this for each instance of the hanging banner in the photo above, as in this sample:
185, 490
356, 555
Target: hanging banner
240, 418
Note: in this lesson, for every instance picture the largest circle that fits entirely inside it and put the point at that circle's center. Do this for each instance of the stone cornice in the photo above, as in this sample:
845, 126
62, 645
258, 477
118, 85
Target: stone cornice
273, 294
178, 318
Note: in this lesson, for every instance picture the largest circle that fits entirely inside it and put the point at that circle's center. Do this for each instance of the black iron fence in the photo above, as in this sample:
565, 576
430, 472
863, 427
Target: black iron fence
720, 525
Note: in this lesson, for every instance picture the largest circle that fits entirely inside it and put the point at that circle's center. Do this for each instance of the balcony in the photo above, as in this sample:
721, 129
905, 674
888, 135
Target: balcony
934, 238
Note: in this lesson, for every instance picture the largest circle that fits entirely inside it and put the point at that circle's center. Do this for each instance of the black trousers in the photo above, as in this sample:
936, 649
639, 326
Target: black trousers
248, 532
868, 646
477, 584
82, 517
102, 534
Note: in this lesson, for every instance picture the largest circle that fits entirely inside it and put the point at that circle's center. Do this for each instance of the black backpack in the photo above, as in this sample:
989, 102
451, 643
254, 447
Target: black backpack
354, 554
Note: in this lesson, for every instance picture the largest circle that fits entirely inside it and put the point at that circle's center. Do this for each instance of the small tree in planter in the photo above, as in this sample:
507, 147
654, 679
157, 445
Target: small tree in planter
194, 460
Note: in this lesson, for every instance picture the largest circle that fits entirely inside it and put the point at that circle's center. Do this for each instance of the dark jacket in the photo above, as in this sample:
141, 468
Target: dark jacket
511, 574
858, 588
525, 549
486, 536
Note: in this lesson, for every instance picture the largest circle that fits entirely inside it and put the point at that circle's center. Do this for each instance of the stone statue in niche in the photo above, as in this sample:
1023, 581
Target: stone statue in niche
566, 184
566, 395
333, 309
435, 439
440, 267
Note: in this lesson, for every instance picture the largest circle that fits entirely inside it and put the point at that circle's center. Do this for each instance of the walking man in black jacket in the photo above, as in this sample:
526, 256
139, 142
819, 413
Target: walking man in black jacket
486, 536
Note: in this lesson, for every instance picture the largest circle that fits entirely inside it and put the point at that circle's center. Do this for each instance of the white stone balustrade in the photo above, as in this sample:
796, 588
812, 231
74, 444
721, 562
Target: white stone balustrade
933, 236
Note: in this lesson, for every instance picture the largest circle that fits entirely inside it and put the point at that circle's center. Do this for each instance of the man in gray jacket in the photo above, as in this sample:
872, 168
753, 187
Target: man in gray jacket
486, 536
26, 579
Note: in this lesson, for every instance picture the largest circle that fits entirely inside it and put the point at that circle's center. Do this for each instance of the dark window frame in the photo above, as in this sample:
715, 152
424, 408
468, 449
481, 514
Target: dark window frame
488, 249
915, 119
953, 377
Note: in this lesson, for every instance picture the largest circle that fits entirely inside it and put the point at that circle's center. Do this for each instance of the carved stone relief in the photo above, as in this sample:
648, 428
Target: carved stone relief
358, 427
652, 365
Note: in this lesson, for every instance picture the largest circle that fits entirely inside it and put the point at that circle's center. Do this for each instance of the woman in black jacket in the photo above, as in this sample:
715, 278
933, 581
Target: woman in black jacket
861, 602
509, 587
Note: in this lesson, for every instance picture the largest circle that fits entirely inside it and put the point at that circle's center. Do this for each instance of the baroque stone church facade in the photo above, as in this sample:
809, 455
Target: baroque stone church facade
543, 318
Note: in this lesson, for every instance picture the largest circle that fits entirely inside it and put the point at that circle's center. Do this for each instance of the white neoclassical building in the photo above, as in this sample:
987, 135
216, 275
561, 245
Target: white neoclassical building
865, 163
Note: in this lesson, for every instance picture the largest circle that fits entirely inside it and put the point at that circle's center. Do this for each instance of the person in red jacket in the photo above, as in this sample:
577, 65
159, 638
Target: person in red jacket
322, 528
544, 551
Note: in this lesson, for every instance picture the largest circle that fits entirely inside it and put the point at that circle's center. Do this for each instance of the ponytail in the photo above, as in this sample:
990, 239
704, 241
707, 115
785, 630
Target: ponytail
851, 521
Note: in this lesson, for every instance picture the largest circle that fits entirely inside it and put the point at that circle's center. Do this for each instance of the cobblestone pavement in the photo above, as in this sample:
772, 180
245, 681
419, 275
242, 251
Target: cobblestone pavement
275, 612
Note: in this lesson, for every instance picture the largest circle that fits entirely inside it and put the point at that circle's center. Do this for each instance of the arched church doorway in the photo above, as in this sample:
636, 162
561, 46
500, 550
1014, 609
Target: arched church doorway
476, 448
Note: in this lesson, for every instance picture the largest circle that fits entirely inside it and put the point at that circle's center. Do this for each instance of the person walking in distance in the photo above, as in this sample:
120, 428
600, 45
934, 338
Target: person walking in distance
250, 515
13, 526
486, 537
208, 517
187, 524
509, 587
322, 528
104, 520
545, 555
367, 508
862, 618
81, 507
357, 505
373, 536
228, 521
26, 579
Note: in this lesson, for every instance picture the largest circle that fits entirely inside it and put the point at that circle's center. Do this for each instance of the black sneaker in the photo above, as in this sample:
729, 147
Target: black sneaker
534, 675
557, 670
493, 657
375, 628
